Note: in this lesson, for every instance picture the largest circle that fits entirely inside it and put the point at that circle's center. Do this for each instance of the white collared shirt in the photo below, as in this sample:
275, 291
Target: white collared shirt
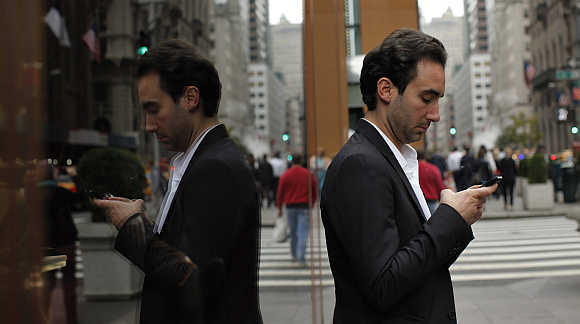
179, 164
407, 159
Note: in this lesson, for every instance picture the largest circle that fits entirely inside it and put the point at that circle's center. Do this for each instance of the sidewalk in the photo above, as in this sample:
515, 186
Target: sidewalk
494, 209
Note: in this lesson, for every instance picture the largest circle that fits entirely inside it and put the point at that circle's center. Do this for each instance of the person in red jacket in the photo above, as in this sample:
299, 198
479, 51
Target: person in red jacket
297, 190
430, 181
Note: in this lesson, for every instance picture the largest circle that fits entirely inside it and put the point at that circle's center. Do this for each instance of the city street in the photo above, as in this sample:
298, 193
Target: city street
517, 270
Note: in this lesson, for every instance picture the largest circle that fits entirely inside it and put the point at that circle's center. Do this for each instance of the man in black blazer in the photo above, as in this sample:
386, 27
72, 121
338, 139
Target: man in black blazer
389, 256
200, 258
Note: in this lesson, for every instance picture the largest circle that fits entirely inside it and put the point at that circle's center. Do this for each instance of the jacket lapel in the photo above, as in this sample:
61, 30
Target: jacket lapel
371, 134
212, 137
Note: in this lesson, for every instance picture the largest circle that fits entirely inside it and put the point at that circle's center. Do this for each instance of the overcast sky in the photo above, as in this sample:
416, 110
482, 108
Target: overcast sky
429, 9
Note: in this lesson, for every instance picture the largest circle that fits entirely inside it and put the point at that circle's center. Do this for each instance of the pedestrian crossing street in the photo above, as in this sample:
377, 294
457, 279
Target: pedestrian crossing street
508, 249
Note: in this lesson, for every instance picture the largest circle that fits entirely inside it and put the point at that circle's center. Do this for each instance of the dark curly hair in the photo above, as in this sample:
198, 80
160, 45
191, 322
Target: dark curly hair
396, 58
179, 66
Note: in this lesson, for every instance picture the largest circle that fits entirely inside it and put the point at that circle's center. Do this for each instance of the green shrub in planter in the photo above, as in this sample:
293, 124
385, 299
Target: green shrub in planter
537, 170
111, 171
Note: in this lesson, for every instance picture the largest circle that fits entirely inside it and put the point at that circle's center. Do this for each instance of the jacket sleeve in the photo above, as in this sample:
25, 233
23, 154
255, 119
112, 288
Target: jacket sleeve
209, 224
365, 223
152, 255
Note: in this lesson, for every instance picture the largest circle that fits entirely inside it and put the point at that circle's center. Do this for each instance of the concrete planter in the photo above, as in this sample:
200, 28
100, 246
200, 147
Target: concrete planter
538, 196
520, 184
107, 275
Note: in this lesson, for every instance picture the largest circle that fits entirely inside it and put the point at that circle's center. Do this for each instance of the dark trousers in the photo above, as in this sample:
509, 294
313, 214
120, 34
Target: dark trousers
274, 189
508, 190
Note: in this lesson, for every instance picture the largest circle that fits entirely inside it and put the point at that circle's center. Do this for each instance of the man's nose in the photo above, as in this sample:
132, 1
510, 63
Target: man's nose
150, 125
433, 113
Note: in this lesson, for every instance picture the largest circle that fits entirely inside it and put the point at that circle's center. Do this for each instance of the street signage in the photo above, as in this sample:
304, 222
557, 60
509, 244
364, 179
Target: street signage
567, 74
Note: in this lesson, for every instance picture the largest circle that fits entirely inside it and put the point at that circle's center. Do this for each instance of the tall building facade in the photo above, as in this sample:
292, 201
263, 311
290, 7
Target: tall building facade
554, 48
460, 90
259, 35
476, 26
510, 57
470, 88
230, 55
268, 99
449, 29
287, 59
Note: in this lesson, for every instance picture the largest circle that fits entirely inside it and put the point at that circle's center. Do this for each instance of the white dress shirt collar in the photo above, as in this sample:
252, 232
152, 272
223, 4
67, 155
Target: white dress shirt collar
407, 158
179, 164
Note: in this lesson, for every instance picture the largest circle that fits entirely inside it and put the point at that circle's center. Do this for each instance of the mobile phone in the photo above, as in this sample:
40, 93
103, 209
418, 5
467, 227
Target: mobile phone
492, 181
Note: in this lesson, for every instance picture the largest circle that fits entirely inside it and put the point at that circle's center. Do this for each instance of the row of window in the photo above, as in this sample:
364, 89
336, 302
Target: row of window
258, 73
553, 56
478, 64
487, 85
259, 84
260, 94
478, 74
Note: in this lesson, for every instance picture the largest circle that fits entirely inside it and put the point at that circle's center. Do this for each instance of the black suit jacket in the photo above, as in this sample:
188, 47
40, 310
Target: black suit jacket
389, 264
214, 221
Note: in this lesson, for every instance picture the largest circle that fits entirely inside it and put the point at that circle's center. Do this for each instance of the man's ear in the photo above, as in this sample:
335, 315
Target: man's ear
385, 89
191, 98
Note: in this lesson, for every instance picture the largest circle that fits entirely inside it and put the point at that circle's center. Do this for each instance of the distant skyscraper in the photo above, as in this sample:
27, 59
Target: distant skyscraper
230, 55
477, 26
287, 59
510, 55
259, 31
450, 30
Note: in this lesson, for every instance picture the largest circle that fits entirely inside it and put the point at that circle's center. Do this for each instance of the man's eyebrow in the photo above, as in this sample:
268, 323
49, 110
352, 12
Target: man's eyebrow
433, 92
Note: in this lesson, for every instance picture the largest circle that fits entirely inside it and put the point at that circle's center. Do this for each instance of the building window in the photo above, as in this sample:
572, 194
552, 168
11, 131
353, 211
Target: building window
478, 85
260, 94
488, 85
479, 119
261, 105
260, 73
252, 95
476, 64
260, 84
478, 97
487, 74
479, 108
260, 116
352, 27
478, 75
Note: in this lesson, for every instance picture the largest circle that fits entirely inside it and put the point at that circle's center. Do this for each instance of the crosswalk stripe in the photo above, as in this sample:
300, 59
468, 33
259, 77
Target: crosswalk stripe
513, 275
514, 265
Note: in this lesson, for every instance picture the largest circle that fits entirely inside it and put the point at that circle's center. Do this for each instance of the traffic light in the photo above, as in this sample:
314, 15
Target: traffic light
286, 137
574, 129
143, 43
290, 157
452, 131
